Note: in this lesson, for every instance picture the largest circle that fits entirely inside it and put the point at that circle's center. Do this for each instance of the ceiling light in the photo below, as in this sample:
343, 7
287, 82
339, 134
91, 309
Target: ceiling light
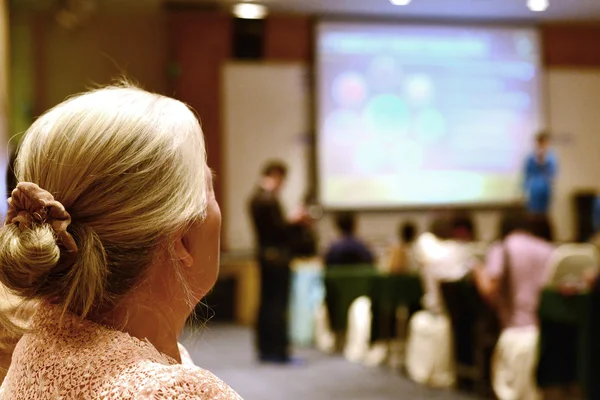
250, 11
400, 2
538, 5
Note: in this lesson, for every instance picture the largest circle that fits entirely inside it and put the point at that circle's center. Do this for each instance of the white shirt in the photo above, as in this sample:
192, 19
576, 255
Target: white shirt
441, 261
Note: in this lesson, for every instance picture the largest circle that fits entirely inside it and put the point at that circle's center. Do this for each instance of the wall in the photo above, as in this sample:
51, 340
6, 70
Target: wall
72, 61
193, 46
200, 44
265, 115
571, 45
574, 97
288, 38
4, 70
179, 53
50, 63
21, 73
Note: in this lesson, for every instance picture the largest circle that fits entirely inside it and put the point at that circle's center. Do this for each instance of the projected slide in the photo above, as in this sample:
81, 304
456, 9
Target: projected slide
424, 115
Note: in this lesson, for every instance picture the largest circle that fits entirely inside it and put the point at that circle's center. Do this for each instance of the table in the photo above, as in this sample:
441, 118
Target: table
343, 285
569, 325
569, 347
387, 292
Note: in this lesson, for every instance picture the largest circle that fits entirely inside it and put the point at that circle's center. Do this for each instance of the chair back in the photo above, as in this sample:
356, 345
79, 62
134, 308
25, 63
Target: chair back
342, 286
475, 330
471, 317
429, 359
570, 263
358, 334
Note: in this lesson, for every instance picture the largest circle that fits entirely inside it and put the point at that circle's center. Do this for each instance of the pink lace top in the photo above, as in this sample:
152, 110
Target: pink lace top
84, 360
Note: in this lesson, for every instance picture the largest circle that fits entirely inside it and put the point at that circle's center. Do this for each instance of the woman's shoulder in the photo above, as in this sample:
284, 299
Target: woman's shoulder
149, 380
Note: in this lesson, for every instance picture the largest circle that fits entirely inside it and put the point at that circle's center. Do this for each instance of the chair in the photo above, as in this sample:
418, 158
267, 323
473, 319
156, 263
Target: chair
343, 285
570, 263
513, 364
325, 339
429, 351
474, 333
358, 334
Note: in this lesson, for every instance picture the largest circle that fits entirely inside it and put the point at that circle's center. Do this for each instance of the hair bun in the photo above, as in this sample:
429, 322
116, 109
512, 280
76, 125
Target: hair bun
30, 205
27, 258
35, 239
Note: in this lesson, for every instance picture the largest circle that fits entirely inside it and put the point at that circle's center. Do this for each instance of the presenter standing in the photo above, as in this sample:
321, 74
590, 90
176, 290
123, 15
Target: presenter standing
541, 167
275, 239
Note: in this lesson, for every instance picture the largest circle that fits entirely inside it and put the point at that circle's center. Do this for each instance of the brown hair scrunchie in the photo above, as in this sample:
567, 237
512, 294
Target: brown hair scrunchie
29, 204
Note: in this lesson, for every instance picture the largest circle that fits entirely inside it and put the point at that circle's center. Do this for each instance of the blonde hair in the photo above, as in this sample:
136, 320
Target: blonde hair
129, 166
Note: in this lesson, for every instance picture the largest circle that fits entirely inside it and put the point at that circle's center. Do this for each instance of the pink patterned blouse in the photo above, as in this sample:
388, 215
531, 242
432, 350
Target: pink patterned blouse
84, 360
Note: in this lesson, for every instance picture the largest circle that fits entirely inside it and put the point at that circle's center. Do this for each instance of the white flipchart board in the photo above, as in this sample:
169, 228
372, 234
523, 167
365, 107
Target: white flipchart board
265, 116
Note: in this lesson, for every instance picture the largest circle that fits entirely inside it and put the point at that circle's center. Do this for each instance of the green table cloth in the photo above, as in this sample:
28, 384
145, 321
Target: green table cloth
388, 292
343, 285
569, 352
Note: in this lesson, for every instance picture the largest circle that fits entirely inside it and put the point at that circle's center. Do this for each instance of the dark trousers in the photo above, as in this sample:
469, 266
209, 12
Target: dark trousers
272, 324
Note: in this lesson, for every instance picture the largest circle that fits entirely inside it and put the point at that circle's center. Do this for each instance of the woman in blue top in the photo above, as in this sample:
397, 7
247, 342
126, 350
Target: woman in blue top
540, 169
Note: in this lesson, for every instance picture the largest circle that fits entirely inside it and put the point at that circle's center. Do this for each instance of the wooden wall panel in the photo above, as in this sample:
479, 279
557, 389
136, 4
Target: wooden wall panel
135, 46
288, 38
39, 63
571, 45
200, 44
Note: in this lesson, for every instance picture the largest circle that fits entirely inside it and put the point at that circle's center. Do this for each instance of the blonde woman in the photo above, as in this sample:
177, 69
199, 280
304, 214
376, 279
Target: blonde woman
114, 231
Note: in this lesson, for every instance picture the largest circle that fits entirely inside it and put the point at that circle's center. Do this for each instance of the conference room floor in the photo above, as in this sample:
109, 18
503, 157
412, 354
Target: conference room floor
226, 350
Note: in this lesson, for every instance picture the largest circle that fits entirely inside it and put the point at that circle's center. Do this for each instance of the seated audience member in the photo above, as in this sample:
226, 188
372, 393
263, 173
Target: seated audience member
541, 227
348, 249
441, 258
463, 228
512, 278
113, 230
402, 259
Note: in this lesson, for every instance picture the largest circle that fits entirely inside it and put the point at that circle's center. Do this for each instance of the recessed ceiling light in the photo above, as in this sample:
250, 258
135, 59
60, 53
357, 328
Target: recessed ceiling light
250, 11
400, 2
538, 5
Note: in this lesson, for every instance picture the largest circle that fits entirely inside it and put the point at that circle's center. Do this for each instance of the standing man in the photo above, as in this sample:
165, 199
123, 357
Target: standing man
274, 241
540, 170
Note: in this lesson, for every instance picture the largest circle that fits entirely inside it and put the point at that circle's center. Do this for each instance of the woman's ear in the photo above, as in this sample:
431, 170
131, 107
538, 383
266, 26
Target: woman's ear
182, 249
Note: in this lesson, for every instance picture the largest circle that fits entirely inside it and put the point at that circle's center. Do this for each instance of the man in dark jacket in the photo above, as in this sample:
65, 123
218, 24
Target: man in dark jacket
274, 237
